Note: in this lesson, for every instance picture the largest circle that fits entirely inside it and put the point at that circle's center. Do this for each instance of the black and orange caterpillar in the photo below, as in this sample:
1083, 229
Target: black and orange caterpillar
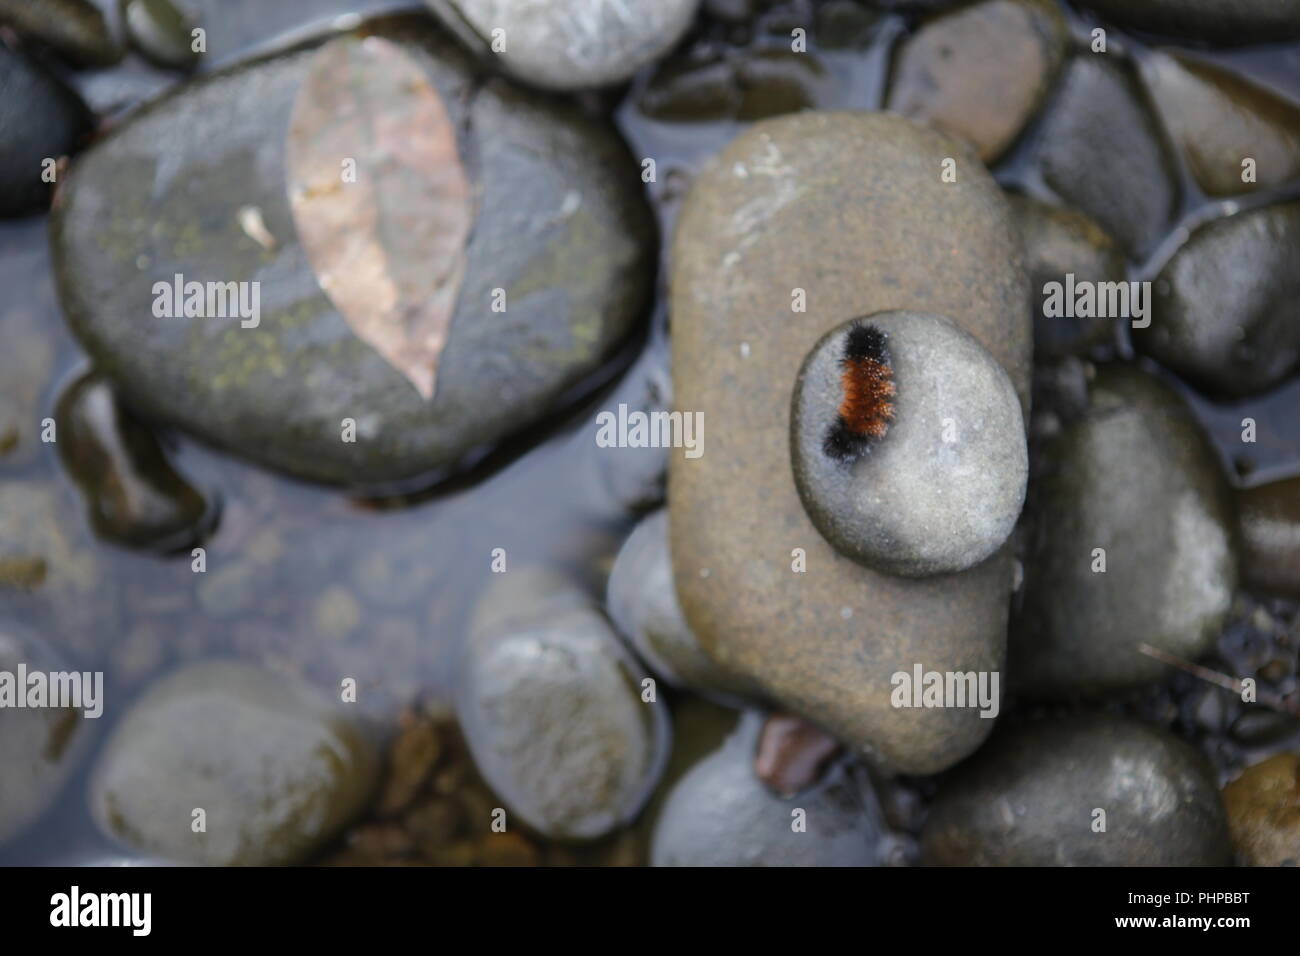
867, 380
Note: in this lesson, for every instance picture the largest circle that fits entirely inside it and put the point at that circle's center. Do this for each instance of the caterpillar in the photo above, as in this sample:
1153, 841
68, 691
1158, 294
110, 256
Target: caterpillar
867, 381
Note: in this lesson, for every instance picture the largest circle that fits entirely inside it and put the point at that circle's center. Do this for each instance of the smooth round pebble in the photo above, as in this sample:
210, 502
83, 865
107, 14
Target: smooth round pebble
276, 768
1263, 807
942, 489
551, 705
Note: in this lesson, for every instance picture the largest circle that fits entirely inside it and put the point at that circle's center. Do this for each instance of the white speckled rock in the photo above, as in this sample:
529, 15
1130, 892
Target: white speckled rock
942, 489
570, 44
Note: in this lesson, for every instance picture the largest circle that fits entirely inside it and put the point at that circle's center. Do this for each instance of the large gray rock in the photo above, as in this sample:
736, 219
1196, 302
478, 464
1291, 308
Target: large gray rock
1030, 798
40, 119
570, 44
553, 710
276, 767
1103, 153
721, 814
561, 228
942, 488
1219, 21
1132, 487
1224, 310
849, 208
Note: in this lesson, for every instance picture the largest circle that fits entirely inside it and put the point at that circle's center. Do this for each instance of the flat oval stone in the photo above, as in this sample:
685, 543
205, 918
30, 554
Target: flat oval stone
562, 239
276, 767
1224, 307
1030, 798
552, 708
942, 488
849, 208
1131, 543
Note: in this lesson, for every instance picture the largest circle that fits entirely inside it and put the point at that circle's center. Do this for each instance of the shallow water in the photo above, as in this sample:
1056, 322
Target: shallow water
291, 564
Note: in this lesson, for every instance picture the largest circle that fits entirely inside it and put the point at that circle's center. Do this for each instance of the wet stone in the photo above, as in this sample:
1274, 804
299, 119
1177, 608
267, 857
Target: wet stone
1059, 242
133, 495
41, 120
1131, 486
1224, 307
850, 209
940, 489
1218, 21
552, 708
38, 746
1030, 798
980, 72
277, 767
1263, 807
560, 228
1269, 516
76, 29
1101, 151
721, 814
162, 30
570, 44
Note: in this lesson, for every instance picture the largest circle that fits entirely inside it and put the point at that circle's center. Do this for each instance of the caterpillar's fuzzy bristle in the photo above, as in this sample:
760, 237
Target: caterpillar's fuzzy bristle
867, 381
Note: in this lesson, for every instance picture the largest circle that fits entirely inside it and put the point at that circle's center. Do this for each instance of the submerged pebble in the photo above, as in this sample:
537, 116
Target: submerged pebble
1089, 790
162, 30
133, 495
1269, 516
555, 709
276, 767
941, 487
76, 29
1219, 21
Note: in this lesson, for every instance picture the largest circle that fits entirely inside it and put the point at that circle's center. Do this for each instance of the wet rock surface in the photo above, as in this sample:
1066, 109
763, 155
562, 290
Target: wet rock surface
1222, 21
1129, 486
1224, 306
721, 814
1060, 242
1102, 153
1032, 796
277, 767
1263, 807
553, 709
162, 30
561, 231
76, 29
941, 489
570, 44
41, 120
1221, 121
979, 72
768, 216
643, 605
133, 494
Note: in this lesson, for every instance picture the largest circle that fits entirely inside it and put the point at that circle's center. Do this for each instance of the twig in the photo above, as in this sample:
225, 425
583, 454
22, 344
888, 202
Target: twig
1268, 699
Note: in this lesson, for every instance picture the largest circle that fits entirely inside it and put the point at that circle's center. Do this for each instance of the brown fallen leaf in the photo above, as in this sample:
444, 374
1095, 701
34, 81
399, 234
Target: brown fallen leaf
389, 248
792, 754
